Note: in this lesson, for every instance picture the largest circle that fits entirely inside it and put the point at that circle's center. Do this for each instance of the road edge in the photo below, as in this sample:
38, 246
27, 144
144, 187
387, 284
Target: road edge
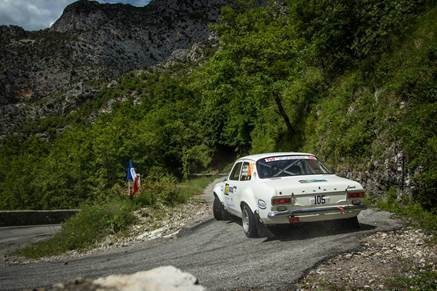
352, 250
208, 199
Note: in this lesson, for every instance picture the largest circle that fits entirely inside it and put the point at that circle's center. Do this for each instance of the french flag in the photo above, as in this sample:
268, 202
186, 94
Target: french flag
133, 177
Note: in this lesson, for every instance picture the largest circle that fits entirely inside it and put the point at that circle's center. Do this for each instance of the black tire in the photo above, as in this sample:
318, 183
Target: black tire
219, 210
250, 222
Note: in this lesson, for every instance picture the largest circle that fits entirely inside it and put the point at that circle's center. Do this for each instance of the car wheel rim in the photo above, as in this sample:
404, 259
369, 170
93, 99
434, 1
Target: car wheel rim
245, 220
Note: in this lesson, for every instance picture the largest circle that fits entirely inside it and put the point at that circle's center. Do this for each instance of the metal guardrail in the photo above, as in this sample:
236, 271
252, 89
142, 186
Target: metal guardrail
35, 217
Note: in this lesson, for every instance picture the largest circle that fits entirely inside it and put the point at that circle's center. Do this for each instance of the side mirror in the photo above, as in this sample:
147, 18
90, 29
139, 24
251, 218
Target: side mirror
225, 179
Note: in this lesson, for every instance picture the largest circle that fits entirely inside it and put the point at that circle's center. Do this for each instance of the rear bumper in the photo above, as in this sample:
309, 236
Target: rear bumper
315, 210
314, 213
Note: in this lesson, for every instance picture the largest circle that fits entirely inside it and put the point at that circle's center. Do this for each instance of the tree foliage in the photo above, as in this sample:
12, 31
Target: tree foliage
324, 76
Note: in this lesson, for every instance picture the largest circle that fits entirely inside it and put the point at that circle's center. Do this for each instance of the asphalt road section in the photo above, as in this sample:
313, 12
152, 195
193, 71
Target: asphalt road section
216, 252
14, 237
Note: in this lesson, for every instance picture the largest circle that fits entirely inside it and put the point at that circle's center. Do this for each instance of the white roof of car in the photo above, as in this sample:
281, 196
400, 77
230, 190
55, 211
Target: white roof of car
266, 155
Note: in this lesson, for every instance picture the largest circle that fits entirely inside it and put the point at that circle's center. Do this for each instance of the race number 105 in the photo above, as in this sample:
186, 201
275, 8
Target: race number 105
319, 199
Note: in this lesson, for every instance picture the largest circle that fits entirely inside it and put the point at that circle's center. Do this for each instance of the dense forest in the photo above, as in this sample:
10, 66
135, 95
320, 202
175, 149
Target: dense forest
346, 80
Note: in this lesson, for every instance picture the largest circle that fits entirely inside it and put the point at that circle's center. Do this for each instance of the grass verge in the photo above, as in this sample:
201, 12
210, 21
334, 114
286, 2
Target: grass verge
94, 222
412, 213
195, 186
84, 229
426, 280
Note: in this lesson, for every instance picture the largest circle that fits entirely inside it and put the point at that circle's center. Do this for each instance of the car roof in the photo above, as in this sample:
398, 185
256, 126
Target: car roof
266, 155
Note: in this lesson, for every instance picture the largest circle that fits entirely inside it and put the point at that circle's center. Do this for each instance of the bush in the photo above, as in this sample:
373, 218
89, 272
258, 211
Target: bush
158, 190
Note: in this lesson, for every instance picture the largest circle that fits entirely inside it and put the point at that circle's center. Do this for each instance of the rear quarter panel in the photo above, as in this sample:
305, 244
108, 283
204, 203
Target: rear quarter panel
257, 191
248, 197
219, 191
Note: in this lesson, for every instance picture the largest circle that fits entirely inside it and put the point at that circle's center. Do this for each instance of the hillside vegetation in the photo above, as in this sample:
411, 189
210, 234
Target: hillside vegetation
351, 81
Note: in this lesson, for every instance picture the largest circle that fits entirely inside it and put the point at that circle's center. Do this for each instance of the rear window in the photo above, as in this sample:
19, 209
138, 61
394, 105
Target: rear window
282, 166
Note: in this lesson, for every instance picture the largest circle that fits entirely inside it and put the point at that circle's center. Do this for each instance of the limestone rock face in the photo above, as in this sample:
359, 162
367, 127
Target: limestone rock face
89, 44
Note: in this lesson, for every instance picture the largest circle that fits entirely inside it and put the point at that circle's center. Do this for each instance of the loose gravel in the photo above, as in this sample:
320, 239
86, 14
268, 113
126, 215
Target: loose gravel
381, 257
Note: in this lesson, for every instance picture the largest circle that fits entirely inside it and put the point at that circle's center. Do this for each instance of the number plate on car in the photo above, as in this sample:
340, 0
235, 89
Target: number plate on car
319, 199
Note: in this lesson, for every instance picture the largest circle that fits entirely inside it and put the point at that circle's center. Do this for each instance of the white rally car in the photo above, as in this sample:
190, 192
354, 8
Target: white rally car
284, 188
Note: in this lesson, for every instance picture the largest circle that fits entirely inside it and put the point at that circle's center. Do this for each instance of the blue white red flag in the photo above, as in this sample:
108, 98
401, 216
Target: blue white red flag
131, 174
133, 177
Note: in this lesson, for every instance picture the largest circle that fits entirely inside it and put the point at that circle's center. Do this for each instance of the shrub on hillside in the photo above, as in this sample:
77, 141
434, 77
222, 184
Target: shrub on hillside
158, 190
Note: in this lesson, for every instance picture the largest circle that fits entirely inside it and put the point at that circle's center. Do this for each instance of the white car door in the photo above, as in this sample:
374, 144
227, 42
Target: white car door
243, 183
231, 188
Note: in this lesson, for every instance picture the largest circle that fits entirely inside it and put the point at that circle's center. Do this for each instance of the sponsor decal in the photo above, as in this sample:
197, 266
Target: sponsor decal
262, 204
285, 158
313, 181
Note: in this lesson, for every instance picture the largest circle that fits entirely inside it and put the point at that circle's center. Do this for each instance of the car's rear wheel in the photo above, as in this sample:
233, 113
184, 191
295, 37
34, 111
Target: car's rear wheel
219, 210
250, 222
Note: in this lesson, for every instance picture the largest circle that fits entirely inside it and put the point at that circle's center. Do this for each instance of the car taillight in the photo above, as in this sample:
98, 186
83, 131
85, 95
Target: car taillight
279, 201
355, 194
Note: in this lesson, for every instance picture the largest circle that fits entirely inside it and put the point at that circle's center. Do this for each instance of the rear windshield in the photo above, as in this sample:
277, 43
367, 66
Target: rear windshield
281, 166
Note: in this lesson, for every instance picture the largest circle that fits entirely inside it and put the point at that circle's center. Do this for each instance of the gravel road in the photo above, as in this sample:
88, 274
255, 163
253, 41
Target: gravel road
216, 252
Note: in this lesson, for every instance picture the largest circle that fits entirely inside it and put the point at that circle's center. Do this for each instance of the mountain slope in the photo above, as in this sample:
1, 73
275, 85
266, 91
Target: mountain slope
54, 70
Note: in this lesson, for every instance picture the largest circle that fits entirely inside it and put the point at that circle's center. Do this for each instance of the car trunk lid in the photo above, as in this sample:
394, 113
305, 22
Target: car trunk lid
313, 190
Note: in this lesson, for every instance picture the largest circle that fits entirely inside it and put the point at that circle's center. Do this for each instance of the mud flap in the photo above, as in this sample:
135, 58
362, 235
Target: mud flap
262, 229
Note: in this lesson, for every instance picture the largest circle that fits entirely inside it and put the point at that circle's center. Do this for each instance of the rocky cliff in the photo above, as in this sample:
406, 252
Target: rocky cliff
54, 70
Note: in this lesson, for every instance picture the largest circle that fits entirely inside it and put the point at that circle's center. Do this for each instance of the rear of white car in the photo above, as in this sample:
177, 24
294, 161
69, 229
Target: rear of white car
285, 188
311, 198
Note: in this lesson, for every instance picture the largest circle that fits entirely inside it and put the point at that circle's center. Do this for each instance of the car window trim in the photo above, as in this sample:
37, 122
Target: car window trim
239, 174
241, 171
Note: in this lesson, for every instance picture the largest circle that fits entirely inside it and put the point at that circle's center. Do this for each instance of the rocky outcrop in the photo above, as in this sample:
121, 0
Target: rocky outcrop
54, 70
386, 170
162, 278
